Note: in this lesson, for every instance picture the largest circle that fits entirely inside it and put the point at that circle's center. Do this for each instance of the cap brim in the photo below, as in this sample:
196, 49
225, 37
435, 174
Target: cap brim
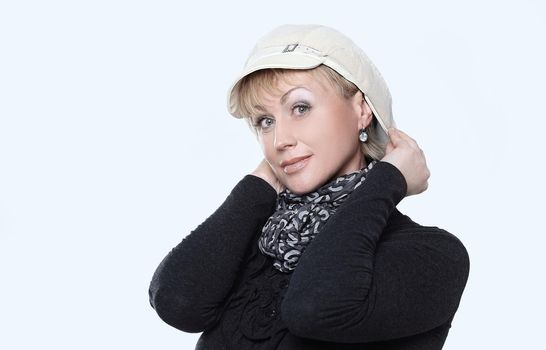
291, 60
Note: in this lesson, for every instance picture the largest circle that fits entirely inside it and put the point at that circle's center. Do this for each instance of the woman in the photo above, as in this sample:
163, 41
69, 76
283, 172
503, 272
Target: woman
309, 250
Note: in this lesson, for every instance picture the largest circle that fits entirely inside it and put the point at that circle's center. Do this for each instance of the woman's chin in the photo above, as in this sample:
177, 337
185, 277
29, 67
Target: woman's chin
300, 187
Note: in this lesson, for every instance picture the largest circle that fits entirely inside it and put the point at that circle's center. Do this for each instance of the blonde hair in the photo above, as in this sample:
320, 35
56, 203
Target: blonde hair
249, 91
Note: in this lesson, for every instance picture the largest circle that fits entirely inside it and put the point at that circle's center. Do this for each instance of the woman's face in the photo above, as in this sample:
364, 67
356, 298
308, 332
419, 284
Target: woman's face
308, 120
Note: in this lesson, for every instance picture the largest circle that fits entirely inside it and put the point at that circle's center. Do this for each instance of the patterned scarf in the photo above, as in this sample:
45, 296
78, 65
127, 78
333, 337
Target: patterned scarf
298, 218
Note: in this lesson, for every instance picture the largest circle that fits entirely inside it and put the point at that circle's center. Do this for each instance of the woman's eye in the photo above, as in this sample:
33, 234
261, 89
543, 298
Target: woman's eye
263, 122
301, 108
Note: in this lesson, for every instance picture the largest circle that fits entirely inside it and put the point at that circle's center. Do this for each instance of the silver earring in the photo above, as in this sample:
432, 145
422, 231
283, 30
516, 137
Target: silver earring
363, 136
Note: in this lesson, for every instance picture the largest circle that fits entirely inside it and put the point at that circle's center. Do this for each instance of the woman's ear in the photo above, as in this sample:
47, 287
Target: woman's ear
364, 111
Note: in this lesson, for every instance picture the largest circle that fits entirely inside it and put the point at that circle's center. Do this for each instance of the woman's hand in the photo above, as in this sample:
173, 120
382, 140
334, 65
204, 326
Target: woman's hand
265, 172
404, 153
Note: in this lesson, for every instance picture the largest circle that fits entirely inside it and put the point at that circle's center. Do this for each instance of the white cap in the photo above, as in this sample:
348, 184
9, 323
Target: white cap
308, 46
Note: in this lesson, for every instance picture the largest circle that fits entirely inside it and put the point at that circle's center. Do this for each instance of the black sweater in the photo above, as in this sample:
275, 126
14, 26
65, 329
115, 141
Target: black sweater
371, 279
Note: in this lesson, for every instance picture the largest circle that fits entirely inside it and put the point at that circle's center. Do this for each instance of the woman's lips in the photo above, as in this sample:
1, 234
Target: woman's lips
292, 168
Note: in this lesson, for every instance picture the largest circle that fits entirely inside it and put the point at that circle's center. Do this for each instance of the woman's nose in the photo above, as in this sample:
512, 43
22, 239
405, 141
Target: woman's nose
284, 136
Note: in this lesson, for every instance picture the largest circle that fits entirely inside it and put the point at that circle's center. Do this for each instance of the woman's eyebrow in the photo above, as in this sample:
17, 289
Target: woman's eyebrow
262, 109
286, 94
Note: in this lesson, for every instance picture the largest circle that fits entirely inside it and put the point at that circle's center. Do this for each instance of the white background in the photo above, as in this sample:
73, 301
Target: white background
115, 143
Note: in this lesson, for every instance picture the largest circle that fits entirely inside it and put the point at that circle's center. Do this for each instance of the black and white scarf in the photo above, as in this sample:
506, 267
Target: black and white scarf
298, 218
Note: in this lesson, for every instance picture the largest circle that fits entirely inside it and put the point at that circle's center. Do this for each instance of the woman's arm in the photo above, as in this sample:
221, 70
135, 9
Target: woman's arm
349, 288
191, 283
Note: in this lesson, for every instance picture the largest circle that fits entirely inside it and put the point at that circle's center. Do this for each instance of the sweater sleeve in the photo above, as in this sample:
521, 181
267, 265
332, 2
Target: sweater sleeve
192, 282
350, 287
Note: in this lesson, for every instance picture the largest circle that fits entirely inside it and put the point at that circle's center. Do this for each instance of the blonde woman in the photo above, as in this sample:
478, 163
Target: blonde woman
309, 250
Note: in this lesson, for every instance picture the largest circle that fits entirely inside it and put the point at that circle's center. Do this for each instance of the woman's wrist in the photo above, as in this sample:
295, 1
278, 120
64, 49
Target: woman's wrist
274, 183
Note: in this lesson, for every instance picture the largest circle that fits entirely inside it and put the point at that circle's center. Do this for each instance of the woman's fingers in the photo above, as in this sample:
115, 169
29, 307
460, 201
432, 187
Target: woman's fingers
394, 136
402, 134
394, 141
404, 152
390, 147
403, 137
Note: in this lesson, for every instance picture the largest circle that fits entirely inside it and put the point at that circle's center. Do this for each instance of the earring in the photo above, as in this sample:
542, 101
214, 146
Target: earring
363, 136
